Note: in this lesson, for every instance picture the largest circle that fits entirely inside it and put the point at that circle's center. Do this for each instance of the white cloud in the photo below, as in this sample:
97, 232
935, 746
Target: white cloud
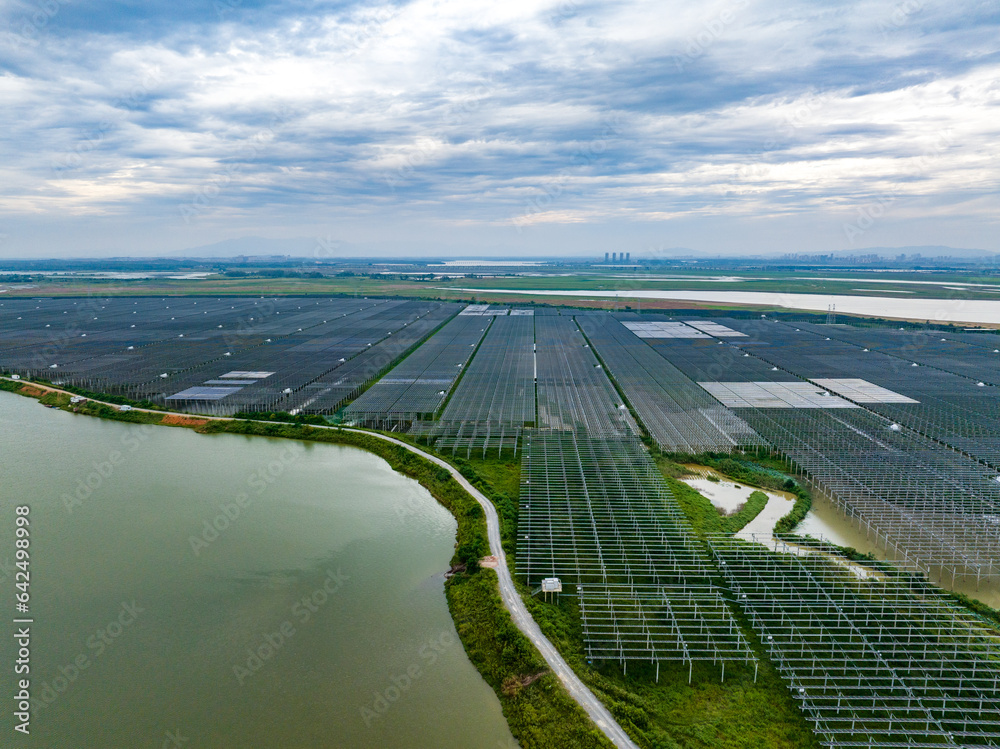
470, 113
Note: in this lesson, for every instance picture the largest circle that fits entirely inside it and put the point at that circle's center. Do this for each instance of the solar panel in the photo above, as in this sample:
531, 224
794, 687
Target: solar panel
795, 394
203, 394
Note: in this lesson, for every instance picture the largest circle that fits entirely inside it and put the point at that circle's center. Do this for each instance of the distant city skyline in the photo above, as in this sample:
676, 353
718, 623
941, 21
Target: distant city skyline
464, 129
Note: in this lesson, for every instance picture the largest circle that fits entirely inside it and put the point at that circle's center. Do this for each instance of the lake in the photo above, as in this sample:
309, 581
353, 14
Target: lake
939, 310
229, 591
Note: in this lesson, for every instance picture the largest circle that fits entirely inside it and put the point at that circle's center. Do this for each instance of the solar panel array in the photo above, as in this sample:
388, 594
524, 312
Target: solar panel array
972, 357
416, 388
930, 507
900, 429
574, 392
663, 329
110, 339
874, 659
498, 386
679, 415
330, 391
495, 398
159, 348
596, 513
947, 407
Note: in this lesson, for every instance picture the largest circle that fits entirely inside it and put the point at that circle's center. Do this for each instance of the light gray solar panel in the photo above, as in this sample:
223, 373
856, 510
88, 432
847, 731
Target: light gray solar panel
202, 394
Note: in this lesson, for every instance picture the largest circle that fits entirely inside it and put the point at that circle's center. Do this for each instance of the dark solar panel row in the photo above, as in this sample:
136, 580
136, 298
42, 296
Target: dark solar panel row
574, 392
418, 386
678, 414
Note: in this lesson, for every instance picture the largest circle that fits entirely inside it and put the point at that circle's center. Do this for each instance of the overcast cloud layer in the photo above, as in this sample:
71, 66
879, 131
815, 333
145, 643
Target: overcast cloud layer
466, 127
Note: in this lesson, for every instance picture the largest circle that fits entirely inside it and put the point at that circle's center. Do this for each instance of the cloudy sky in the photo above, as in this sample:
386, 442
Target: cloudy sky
505, 128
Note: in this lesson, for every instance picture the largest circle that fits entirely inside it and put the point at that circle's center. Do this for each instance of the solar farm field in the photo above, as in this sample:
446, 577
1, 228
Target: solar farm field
897, 428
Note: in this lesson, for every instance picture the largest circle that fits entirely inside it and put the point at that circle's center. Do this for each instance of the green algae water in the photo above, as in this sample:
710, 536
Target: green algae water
227, 591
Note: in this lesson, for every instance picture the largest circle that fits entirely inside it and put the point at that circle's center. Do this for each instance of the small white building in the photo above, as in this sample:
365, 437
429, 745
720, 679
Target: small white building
551, 585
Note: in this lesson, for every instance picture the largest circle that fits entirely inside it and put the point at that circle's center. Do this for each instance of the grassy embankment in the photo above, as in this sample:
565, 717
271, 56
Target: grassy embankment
763, 473
539, 711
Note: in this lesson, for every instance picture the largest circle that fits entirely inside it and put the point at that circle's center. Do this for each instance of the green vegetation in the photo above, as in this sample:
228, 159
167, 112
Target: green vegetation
672, 714
90, 408
671, 469
10, 387
750, 509
705, 517
499, 479
540, 712
803, 501
762, 472
980, 609
118, 399
281, 416
987, 613
296, 278
847, 552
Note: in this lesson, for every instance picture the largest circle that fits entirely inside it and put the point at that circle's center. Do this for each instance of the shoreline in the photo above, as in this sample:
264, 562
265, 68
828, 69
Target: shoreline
941, 310
471, 526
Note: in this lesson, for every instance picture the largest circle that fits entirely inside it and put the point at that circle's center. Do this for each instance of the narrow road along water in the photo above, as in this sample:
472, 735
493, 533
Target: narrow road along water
508, 592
